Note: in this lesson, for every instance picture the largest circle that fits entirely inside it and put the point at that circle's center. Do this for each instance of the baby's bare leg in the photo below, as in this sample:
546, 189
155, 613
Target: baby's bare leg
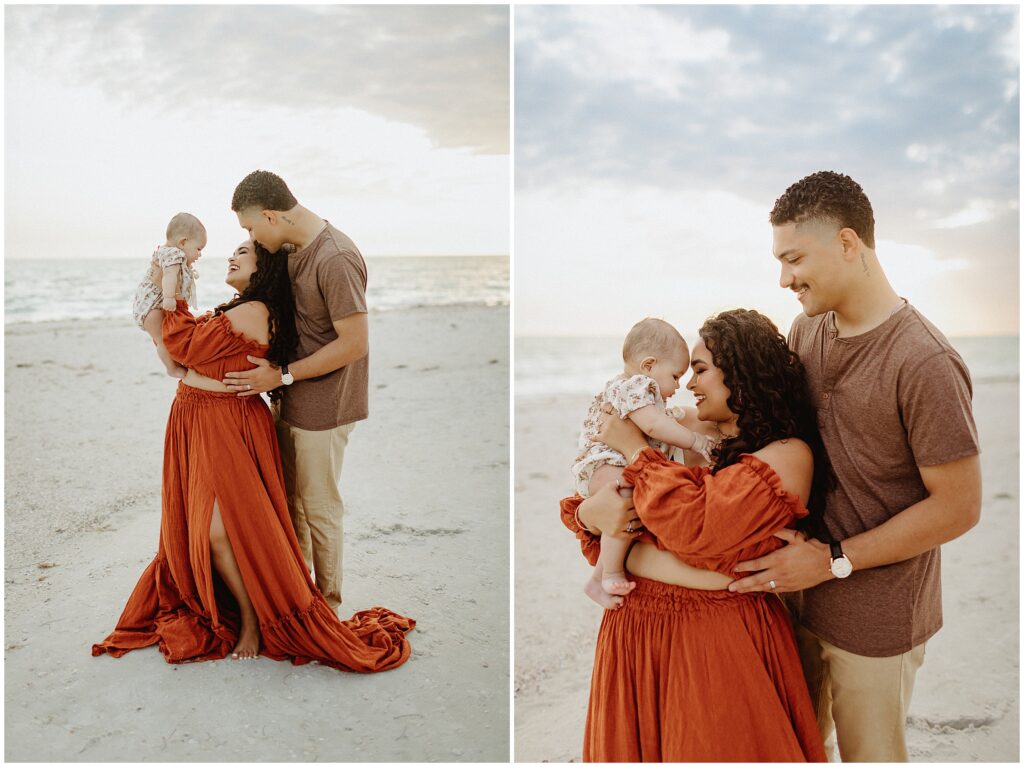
608, 584
612, 562
605, 474
153, 324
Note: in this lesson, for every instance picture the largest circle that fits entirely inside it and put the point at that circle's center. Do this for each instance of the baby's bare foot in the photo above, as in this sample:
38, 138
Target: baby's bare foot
248, 645
616, 583
594, 590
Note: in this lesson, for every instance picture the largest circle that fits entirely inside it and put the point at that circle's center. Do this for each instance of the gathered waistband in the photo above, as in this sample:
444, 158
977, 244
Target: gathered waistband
655, 596
188, 393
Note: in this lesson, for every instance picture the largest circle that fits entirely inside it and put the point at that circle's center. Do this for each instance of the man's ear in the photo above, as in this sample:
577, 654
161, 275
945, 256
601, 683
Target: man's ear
851, 243
271, 216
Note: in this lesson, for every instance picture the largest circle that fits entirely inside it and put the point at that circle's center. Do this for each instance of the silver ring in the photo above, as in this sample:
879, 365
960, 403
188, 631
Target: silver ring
629, 527
771, 585
248, 387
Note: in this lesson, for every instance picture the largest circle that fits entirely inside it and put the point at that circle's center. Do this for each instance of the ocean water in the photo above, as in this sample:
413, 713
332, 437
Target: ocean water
38, 290
545, 366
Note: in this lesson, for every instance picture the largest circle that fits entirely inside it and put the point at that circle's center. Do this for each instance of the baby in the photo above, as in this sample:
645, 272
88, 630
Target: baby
655, 357
169, 276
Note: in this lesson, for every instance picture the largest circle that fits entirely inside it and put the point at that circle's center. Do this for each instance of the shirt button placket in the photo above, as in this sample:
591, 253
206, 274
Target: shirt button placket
829, 370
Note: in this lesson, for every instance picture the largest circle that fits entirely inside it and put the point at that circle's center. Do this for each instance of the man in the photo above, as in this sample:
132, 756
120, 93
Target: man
326, 387
894, 408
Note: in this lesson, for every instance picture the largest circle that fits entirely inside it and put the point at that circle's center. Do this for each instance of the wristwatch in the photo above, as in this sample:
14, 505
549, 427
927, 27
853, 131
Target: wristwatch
286, 378
840, 566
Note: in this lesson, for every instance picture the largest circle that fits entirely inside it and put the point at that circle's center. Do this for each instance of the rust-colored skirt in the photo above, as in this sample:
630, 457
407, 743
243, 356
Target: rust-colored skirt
698, 676
224, 447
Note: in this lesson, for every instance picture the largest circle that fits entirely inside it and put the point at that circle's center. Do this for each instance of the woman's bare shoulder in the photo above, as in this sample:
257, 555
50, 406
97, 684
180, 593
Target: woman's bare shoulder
793, 460
251, 319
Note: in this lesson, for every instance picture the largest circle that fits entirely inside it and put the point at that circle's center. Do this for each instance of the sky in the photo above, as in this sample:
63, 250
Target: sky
652, 141
392, 122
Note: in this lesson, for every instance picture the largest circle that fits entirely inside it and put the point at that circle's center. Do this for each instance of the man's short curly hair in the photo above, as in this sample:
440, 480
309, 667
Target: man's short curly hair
264, 190
830, 196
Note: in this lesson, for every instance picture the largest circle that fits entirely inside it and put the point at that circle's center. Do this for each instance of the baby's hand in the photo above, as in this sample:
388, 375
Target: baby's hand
168, 304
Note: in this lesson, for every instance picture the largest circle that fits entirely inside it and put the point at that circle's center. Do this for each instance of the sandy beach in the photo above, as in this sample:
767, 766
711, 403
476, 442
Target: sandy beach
965, 706
426, 493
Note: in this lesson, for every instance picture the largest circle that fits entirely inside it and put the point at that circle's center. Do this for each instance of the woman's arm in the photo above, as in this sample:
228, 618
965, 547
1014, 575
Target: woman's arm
704, 517
606, 512
198, 381
196, 342
648, 561
644, 560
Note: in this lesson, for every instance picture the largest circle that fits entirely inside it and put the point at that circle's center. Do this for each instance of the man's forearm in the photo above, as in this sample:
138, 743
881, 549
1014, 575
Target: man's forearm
328, 358
915, 530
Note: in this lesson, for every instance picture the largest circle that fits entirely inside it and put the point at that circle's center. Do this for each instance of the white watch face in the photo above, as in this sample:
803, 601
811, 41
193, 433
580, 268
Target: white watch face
287, 379
841, 567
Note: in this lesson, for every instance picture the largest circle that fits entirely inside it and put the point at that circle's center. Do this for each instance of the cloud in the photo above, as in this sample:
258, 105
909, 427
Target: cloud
976, 212
906, 264
640, 47
769, 94
441, 68
606, 259
638, 163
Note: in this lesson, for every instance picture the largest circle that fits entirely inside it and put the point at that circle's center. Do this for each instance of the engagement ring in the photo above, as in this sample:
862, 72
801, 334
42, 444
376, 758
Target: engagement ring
771, 585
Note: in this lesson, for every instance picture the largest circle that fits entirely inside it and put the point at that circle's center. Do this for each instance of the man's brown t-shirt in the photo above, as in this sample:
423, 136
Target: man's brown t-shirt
329, 282
889, 400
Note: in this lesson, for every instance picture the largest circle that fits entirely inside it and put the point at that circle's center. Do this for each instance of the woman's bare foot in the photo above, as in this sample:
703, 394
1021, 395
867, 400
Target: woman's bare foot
616, 583
595, 591
248, 645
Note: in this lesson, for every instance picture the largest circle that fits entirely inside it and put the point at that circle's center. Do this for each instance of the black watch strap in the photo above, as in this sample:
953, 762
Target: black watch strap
837, 550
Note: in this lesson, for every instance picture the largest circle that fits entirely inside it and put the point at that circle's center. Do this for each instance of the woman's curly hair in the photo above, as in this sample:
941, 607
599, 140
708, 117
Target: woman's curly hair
271, 285
769, 392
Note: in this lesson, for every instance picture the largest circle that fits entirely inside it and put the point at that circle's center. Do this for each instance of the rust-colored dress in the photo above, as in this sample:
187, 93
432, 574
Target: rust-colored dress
682, 675
224, 447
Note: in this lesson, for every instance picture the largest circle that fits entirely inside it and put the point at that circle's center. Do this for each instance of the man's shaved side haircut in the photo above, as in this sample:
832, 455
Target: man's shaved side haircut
827, 196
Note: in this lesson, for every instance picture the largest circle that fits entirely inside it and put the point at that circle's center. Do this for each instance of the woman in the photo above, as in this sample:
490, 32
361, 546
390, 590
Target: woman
685, 670
224, 507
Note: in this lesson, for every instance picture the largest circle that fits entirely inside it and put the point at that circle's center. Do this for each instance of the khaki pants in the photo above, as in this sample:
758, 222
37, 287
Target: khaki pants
865, 700
312, 470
